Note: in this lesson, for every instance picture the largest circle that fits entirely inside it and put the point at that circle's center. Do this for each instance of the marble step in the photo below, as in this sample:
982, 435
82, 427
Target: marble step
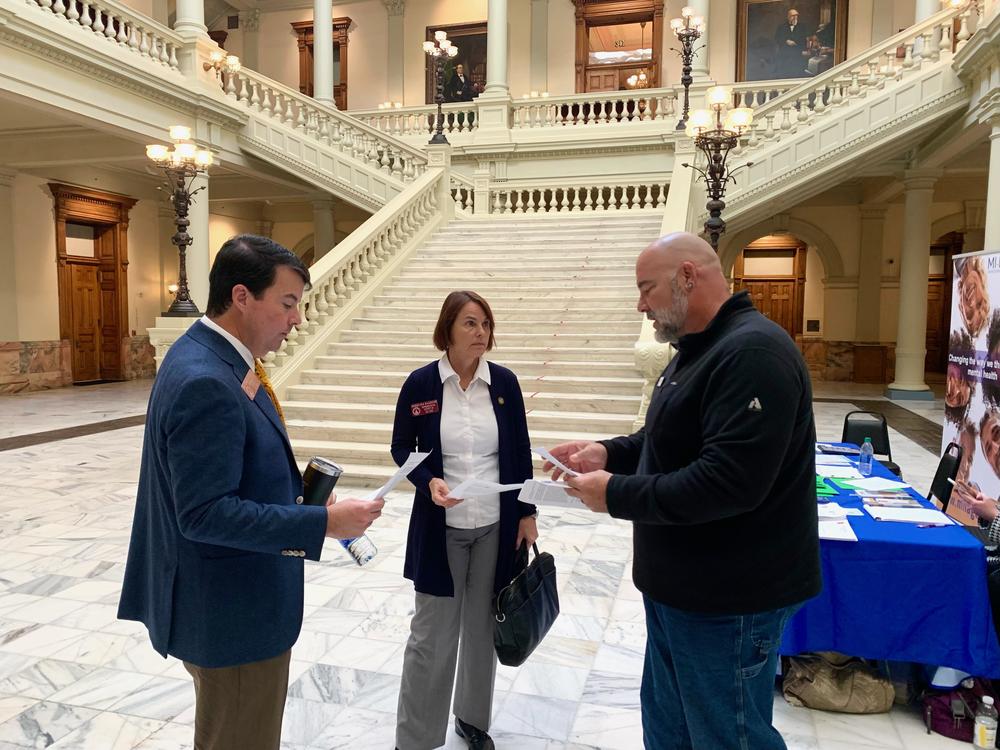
509, 315
623, 232
549, 339
381, 434
524, 263
586, 423
546, 401
597, 303
578, 277
497, 283
507, 326
611, 247
523, 369
549, 383
620, 354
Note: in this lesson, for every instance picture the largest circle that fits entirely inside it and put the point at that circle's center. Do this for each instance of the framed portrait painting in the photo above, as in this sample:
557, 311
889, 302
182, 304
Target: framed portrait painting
465, 74
780, 39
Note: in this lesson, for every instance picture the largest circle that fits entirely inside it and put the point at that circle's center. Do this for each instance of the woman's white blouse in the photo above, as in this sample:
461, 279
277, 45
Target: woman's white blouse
469, 444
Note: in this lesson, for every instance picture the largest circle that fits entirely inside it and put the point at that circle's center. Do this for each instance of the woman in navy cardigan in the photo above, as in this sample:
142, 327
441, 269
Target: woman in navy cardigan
469, 414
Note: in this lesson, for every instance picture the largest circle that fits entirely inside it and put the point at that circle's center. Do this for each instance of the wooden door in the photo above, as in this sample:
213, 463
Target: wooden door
85, 304
775, 300
936, 344
602, 80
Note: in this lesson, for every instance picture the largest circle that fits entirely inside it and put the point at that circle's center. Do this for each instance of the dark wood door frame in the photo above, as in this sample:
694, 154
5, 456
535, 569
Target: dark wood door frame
936, 359
798, 275
109, 214
607, 12
304, 32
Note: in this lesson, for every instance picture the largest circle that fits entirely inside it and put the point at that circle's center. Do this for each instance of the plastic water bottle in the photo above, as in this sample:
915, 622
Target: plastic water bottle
985, 731
361, 548
866, 458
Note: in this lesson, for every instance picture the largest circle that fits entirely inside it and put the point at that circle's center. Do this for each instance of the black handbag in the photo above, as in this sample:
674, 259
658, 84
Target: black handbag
526, 608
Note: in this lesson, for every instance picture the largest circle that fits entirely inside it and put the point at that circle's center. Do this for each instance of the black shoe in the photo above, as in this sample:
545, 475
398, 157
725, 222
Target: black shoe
477, 738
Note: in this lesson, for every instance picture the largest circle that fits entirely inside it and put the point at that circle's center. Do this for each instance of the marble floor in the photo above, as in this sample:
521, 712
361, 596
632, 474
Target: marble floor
72, 676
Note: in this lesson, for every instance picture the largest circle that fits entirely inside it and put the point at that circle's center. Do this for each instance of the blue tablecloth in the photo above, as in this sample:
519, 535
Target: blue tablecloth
902, 593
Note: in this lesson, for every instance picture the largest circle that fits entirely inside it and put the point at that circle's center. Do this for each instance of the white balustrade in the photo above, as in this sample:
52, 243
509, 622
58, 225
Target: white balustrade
800, 105
462, 193
600, 108
368, 254
325, 124
756, 93
400, 121
569, 197
115, 23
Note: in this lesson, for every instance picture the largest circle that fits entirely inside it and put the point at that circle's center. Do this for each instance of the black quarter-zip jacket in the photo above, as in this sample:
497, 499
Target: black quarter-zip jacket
720, 482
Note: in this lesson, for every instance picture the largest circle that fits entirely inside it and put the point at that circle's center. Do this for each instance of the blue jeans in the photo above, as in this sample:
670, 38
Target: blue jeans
708, 681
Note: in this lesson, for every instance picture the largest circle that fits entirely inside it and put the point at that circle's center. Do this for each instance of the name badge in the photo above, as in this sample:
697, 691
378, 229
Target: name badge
424, 407
250, 384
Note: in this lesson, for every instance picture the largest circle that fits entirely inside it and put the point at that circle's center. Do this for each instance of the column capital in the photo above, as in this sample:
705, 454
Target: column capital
921, 179
395, 7
322, 203
7, 176
250, 19
975, 214
872, 211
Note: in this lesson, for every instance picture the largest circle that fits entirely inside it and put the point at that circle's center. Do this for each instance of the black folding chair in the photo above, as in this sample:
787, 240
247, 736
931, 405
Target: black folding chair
947, 469
859, 425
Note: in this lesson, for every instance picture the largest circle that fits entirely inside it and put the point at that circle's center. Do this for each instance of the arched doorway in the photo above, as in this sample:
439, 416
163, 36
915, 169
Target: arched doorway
940, 275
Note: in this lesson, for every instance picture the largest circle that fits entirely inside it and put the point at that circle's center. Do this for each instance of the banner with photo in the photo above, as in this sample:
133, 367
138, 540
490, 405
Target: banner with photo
972, 394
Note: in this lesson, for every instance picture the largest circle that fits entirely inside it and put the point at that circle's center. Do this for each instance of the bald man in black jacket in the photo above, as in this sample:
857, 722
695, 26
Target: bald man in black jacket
720, 486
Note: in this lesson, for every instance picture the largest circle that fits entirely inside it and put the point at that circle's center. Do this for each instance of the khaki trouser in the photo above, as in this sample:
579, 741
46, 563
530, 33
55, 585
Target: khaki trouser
240, 708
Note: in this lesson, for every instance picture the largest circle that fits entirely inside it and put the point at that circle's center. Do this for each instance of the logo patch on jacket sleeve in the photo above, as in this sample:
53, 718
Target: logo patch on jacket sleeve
754, 405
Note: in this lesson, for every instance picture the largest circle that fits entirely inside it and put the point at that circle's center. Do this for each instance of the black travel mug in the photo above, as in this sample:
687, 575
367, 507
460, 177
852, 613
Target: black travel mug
319, 480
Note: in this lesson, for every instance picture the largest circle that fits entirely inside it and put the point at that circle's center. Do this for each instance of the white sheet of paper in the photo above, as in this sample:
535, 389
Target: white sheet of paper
832, 459
547, 492
838, 472
546, 456
832, 510
877, 483
909, 515
838, 530
412, 462
479, 487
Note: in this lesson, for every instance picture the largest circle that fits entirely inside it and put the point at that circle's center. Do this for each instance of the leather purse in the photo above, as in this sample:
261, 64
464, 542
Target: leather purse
833, 682
525, 608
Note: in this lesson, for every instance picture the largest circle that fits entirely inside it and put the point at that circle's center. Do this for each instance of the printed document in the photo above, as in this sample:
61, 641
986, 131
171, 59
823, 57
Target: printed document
478, 487
837, 529
546, 456
413, 461
547, 492
927, 516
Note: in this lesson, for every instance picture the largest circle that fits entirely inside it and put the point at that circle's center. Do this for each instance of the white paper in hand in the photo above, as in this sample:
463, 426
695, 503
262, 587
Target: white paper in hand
546, 456
413, 461
479, 487
547, 492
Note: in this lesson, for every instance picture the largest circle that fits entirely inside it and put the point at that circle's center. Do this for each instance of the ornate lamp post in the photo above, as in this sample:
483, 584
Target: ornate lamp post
437, 50
181, 163
715, 137
688, 30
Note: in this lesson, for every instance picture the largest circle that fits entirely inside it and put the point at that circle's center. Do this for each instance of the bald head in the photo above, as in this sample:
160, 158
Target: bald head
681, 284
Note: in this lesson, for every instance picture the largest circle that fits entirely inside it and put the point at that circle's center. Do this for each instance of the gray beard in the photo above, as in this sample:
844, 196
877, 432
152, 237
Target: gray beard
671, 319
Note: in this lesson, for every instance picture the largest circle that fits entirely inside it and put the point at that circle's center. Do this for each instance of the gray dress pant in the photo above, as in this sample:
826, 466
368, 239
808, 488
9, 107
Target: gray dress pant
444, 629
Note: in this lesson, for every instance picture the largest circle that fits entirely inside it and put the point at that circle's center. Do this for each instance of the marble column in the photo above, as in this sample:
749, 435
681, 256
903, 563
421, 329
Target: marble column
394, 68
870, 273
991, 240
323, 227
250, 23
8, 256
911, 337
323, 51
700, 65
199, 254
190, 17
924, 9
496, 49
539, 73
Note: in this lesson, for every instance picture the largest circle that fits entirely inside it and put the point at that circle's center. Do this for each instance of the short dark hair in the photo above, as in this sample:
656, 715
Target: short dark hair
452, 306
249, 260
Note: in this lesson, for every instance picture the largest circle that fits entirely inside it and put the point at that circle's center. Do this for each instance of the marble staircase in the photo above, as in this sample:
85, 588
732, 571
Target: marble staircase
563, 294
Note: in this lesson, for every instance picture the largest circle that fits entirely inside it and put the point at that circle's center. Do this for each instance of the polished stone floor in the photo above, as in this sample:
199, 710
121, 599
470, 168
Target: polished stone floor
72, 676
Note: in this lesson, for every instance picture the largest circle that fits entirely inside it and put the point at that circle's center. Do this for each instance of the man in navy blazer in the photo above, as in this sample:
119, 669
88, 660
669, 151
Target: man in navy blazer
216, 559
